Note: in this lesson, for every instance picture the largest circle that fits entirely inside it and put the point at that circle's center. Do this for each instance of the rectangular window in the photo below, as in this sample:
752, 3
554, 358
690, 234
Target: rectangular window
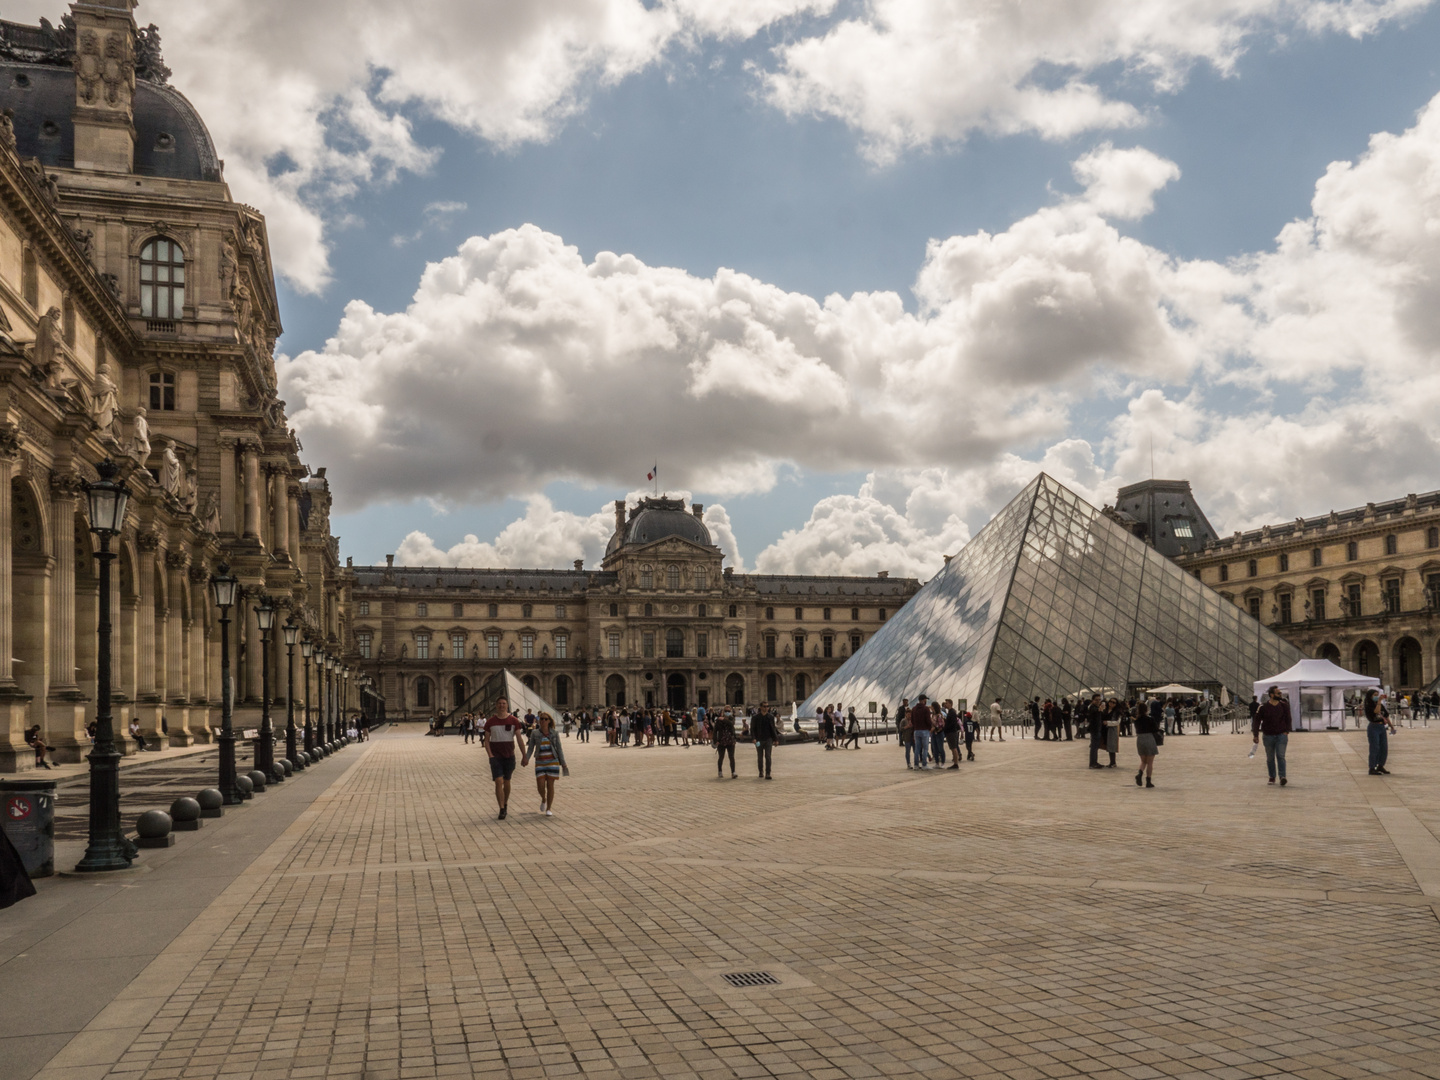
702, 644
362, 643
1352, 551
1284, 562
672, 577
458, 610
1254, 605
882, 614
1317, 557
647, 643
560, 611
1317, 603
854, 644
363, 607
422, 646
562, 646
1286, 609
1224, 572
1392, 596
494, 611
799, 614
527, 646
799, 644
162, 392
492, 646
825, 614
1432, 589
854, 614
1352, 593
422, 610
647, 578
770, 646
734, 643
827, 646
457, 646
1182, 529
613, 639
702, 578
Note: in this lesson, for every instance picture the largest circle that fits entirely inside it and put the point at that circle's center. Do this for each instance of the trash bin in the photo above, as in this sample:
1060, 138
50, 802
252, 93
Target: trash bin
29, 821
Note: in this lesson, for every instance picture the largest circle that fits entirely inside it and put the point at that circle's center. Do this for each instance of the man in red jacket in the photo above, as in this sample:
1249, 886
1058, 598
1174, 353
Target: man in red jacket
1272, 720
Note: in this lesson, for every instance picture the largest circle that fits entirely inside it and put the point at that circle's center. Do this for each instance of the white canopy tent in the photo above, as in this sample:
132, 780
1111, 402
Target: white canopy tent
1175, 688
1320, 677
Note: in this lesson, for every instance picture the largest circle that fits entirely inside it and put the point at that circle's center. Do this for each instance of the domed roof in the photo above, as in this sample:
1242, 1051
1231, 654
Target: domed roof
170, 138
656, 519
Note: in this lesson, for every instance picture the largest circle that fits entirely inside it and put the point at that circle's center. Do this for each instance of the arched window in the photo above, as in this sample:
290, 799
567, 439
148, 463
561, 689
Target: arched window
672, 577
162, 279
422, 693
525, 610
674, 642
647, 577
1391, 544
702, 578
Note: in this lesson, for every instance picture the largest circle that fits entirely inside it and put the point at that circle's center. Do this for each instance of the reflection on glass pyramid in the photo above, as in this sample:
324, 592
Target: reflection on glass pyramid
505, 683
1049, 599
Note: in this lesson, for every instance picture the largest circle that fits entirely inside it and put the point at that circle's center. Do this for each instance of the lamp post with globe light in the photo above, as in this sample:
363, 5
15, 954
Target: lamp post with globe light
107, 848
330, 696
291, 632
320, 703
226, 590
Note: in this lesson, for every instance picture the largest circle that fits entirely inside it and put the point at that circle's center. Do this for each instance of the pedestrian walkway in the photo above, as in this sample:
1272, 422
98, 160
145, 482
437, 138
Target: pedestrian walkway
1022, 917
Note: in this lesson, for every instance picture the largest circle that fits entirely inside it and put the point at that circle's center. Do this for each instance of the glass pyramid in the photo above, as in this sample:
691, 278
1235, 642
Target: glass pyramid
1052, 598
504, 683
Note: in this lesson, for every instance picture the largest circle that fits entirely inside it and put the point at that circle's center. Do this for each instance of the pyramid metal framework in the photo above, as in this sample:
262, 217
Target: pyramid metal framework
1052, 598
504, 683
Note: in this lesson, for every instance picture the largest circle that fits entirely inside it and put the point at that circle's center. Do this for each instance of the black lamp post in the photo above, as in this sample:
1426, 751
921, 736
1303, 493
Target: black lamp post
330, 696
320, 735
226, 590
291, 632
345, 700
107, 849
265, 744
306, 648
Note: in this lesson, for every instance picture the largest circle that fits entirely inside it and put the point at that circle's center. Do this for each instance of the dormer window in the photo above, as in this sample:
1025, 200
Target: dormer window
162, 279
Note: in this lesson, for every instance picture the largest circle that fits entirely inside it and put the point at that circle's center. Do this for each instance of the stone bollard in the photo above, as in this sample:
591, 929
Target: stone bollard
185, 814
287, 765
245, 786
258, 779
212, 803
154, 829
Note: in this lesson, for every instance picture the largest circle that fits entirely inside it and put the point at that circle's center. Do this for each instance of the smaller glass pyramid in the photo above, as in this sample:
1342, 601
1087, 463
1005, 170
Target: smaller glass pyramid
1052, 598
505, 683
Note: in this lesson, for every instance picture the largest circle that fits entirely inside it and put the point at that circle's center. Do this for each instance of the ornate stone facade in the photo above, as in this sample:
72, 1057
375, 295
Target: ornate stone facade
662, 622
137, 317
1360, 587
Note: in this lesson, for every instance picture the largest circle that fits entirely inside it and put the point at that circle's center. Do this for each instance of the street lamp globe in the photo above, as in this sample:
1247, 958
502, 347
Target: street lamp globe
291, 631
107, 498
265, 616
225, 586
306, 648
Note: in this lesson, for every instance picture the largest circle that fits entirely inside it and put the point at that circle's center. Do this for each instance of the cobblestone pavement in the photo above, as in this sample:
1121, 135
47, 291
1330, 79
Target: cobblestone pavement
1024, 917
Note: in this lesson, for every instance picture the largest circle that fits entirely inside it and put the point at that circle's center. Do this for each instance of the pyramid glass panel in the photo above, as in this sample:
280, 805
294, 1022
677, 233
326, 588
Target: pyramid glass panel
1049, 599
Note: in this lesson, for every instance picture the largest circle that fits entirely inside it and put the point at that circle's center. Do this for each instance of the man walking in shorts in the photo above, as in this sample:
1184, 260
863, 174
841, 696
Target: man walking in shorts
502, 732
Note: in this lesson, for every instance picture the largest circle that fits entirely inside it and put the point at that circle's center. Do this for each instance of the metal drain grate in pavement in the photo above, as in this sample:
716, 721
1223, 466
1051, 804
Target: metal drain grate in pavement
751, 978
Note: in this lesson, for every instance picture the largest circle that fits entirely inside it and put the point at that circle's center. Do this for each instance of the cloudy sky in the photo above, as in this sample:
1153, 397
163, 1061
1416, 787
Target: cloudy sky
850, 271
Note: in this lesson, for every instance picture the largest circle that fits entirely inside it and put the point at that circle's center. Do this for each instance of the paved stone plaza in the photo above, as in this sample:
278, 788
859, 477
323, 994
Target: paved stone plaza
1024, 918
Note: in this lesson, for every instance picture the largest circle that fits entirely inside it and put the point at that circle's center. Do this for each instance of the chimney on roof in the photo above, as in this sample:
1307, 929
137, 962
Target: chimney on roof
698, 509
349, 562
579, 564
883, 574
947, 560
619, 515
104, 117
389, 562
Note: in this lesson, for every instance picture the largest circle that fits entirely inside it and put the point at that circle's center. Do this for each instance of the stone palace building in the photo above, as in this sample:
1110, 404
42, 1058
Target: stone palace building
660, 623
138, 315
1360, 587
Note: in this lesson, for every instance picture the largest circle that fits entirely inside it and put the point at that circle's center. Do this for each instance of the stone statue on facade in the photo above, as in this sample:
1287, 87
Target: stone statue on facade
172, 476
105, 403
211, 517
191, 497
140, 439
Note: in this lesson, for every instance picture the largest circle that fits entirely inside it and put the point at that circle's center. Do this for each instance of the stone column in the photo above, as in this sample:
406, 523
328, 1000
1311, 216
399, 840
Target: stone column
280, 506
198, 661
149, 705
252, 651
228, 471
177, 712
14, 705
122, 651
251, 468
292, 500
65, 704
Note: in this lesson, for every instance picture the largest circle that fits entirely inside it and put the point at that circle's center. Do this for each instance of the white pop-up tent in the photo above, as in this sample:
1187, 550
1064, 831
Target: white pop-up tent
1329, 681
